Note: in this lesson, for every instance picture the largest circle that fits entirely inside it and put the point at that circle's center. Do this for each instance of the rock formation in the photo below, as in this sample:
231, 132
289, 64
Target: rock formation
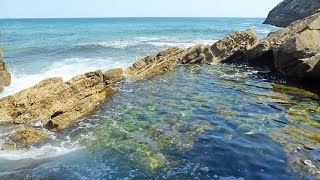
57, 104
293, 51
197, 54
166, 61
225, 50
5, 78
232, 47
289, 11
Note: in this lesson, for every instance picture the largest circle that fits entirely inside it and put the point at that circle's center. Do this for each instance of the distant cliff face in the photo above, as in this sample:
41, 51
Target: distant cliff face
289, 11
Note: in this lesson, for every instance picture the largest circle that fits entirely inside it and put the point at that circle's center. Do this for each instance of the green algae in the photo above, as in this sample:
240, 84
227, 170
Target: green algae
294, 91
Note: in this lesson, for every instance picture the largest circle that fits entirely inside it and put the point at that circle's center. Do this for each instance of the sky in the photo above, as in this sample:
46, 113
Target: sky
135, 8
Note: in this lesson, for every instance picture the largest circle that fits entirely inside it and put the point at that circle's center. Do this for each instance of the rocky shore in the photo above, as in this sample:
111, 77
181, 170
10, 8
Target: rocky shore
293, 51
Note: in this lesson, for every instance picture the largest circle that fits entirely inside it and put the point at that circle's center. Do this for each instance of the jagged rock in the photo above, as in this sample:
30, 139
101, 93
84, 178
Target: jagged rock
24, 137
56, 103
167, 60
232, 47
113, 76
197, 54
5, 77
289, 11
154, 65
227, 49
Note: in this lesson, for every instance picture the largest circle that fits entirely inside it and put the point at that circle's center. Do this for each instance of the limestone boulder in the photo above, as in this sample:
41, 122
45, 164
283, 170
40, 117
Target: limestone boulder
233, 47
299, 56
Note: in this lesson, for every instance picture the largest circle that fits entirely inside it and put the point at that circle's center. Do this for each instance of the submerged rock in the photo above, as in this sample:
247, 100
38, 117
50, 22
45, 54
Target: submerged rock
300, 147
289, 11
24, 137
294, 91
5, 77
232, 47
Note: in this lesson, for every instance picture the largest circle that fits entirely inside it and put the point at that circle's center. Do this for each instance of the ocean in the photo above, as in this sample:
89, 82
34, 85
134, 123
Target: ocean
215, 121
36, 49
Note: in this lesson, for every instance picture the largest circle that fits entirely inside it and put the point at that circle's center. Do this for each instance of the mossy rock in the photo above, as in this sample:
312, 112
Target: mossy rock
24, 137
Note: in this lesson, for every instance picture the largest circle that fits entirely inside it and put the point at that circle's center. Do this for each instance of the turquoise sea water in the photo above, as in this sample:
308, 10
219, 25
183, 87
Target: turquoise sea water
40, 48
197, 122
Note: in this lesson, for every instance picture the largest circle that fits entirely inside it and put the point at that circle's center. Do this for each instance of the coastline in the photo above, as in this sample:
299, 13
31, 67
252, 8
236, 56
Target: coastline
59, 106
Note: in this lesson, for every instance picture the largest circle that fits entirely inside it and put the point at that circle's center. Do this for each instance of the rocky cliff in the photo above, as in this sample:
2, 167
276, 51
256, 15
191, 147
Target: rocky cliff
289, 11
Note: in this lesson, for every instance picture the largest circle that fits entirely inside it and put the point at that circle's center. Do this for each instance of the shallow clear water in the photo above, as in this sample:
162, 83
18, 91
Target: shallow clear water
197, 122
194, 123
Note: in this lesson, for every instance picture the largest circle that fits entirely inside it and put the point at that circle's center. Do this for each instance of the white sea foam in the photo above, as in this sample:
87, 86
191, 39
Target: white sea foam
182, 44
66, 69
44, 152
110, 44
263, 31
155, 41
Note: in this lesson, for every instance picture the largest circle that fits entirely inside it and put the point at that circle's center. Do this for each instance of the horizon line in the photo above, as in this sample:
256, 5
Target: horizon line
110, 17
